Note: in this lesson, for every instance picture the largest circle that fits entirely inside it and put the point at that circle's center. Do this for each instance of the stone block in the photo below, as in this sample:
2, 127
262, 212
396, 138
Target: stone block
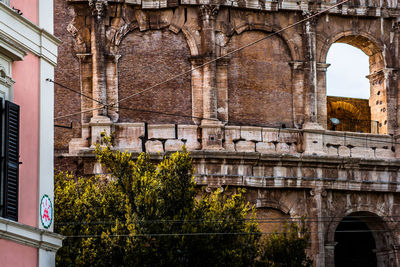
128, 136
269, 135
313, 143
77, 144
154, 146
282, 148
161, 131
263, 147
384, 153
231, 133
344, 151
334, 138
362, 152
332, 151
249, 133
189, 133
245, 146
211, 136
288, 137
100, 126
293, 149
173, 145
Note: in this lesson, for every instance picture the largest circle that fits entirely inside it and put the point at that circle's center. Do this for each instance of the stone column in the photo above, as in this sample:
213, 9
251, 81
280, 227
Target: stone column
394, 124
97, 39
330, 254
112, 86
211, 127
99, 123
197, 90
85, 67
298, 92
321, 94
222, 85
317, 226
311, 98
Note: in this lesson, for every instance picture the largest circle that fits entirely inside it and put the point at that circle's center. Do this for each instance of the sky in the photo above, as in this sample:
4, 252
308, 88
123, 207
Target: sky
346, 75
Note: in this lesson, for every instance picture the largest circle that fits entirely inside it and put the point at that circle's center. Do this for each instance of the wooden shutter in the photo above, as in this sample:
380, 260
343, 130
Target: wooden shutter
11, 160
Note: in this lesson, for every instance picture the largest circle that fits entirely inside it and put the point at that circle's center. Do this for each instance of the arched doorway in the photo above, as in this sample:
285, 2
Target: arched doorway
355, 244
363, 240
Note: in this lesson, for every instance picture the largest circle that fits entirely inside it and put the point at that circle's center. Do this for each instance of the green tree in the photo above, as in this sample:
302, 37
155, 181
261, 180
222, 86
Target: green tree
286, 248
147, 214
151, 214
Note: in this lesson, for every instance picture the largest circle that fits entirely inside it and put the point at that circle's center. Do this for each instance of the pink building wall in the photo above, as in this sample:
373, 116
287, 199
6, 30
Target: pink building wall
10, 249
29, 8
26, 94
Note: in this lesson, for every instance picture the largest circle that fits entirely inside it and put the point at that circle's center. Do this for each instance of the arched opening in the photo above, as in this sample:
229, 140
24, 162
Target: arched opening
271, 219
255, 92
355, 244
362, 239
356, 94
149, 57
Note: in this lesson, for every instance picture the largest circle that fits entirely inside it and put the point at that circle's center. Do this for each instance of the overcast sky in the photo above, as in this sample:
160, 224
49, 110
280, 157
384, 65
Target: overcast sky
346, 75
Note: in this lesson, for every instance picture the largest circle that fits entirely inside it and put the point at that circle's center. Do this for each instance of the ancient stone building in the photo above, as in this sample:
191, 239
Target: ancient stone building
253, 117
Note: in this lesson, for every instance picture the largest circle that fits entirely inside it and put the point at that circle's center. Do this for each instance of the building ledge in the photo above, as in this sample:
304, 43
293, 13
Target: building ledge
30, 236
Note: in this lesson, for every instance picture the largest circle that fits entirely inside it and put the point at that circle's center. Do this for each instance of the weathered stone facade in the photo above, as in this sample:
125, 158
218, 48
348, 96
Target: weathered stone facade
256, 118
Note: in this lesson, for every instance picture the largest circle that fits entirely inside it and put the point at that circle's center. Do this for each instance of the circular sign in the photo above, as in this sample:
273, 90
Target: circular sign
46, 211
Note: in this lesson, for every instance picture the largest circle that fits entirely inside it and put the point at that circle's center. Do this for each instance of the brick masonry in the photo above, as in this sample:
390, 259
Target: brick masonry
256, 119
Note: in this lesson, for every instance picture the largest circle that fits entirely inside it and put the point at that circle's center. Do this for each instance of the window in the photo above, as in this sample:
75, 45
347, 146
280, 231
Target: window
9, 144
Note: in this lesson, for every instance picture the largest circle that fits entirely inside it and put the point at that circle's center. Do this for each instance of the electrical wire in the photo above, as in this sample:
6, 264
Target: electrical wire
231, 52
72, 90
325, 219
223, 233
211, 61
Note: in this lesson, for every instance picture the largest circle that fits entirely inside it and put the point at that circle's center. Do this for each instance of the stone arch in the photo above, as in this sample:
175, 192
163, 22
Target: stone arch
145, 63
378, 101
362, 40
284, 35
127, 28
253, 90
272, 215
378, 222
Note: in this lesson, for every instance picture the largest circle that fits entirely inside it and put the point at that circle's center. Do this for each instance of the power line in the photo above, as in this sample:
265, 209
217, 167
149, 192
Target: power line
326, 219
72, 90
232, 52
222, 233
210, 61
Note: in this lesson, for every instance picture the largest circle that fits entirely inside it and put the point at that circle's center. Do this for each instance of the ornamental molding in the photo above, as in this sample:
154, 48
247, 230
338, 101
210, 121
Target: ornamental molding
30, 236
99, 7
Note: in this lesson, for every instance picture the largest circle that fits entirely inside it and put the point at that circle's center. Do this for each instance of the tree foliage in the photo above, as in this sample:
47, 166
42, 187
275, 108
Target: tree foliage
150, 214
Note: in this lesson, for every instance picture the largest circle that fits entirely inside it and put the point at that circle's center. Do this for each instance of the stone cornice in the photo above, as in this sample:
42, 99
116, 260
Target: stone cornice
29, 236
26, 36
295, 183
305, 6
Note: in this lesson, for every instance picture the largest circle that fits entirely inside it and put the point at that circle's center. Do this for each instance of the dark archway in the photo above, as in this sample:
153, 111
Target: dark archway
362, 238
355, 244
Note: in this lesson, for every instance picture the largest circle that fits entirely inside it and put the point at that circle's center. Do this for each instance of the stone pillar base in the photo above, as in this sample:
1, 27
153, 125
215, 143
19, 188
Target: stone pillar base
100, 126
313, 139
212, 135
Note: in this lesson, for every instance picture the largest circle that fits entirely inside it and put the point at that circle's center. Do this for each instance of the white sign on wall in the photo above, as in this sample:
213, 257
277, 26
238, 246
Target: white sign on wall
46, 211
